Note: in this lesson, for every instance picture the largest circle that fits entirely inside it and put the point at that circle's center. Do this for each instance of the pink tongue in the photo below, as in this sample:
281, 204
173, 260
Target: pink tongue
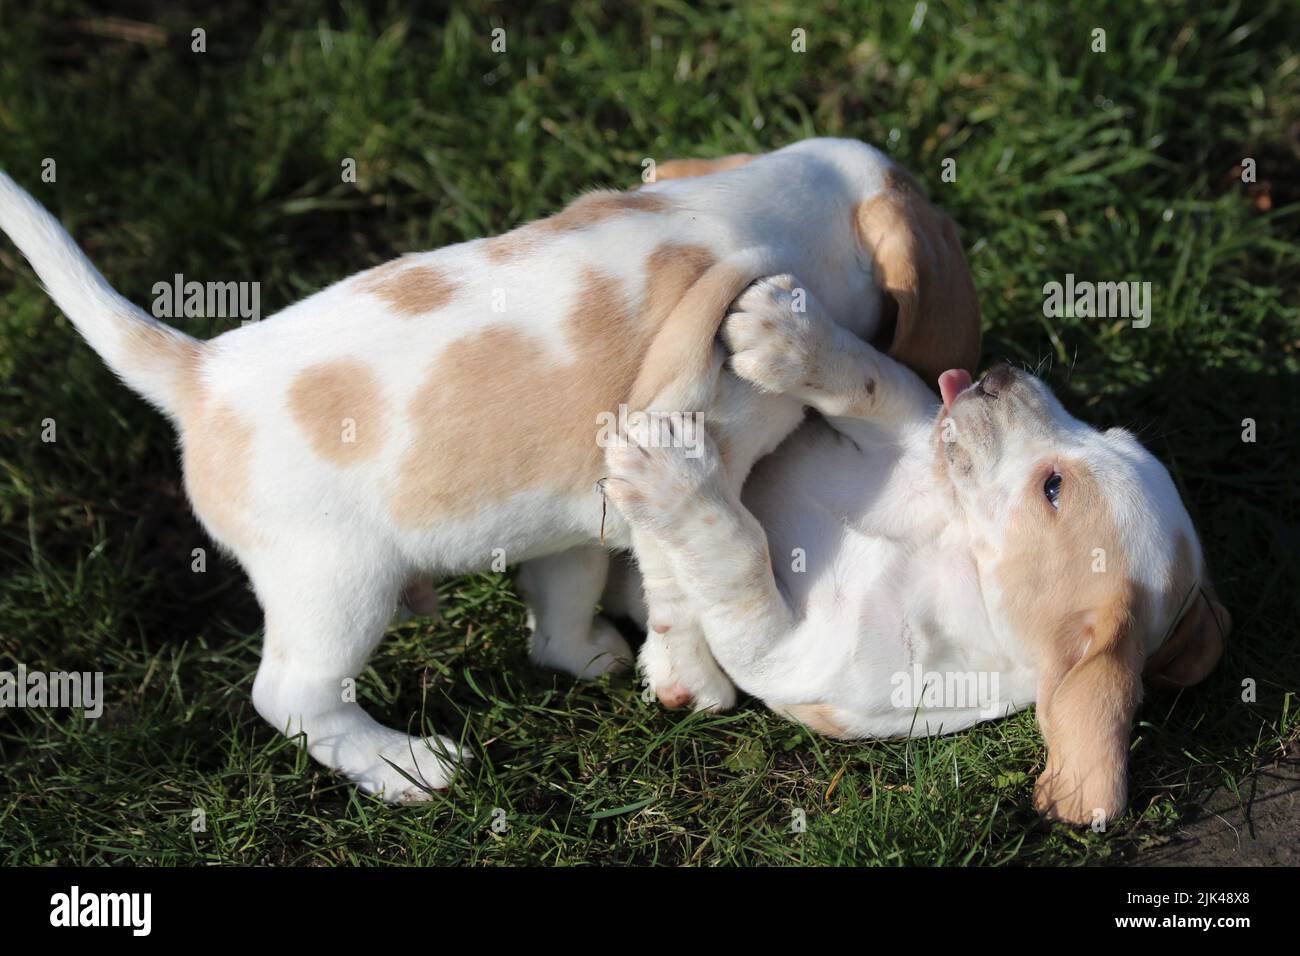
952, 383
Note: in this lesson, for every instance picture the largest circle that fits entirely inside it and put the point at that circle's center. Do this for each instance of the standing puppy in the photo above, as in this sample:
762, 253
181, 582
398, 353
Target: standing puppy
422, 417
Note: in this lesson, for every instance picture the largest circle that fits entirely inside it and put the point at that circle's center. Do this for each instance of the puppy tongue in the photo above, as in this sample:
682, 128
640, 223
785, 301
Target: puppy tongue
952, 383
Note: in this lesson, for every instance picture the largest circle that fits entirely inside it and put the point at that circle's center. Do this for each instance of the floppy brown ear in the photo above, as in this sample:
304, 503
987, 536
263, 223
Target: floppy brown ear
690, 168
1085, 709
1194, 647
920, 267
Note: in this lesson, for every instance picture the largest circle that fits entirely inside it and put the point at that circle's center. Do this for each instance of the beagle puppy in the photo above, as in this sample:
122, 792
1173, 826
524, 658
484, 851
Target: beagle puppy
447, 412
909, 565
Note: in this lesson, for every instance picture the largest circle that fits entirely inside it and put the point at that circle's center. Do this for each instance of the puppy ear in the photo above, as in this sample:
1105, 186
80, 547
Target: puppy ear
690, 168
921, 270
1085, 709
1194, 647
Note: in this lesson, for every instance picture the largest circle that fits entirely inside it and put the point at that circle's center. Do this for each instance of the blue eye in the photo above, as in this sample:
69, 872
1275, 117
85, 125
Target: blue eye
1052, 488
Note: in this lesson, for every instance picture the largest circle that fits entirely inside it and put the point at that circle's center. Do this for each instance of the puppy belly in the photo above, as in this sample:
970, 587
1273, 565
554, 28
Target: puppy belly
526, 525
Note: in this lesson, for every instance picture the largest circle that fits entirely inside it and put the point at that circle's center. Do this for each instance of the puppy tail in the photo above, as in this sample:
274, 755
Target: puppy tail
155, 360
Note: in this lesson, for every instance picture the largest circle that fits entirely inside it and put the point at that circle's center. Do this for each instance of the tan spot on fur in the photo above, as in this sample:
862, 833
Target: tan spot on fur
822, 718
696, 291
340, 407
536, 426
1082, 626
1086, 713
408, 288
690, 168
216, 441
670, 271
920, 265
217, 458
583, 212
1046, 569
158, 347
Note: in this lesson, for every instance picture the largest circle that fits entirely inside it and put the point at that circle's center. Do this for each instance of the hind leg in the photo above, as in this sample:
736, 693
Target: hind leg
675, 659
324, 617
561, 591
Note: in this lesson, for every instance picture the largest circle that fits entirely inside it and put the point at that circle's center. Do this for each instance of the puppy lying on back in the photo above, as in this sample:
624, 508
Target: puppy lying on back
428, 416
930, 565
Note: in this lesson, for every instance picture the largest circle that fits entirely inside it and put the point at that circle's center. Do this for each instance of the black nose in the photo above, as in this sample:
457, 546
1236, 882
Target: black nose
997, 380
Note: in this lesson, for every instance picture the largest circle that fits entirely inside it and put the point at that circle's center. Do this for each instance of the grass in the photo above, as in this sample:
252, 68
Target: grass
225, 165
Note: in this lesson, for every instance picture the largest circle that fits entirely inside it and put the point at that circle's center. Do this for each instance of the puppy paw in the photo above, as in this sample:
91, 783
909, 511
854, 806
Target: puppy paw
399, 768
602, 650
776, 336
662, 471
684, 676
1079, 800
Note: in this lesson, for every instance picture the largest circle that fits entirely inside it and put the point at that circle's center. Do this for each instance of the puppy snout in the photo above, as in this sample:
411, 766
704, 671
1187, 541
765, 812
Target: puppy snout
997, 380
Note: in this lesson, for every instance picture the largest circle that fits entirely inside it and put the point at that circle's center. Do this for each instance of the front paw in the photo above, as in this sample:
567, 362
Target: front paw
662, 469
1077, 799
776, 335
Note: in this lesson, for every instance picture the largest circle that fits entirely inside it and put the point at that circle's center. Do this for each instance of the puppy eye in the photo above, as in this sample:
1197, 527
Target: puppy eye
1052, 488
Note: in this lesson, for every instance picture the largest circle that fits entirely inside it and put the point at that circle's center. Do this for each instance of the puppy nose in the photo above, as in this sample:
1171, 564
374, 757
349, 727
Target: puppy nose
998, 379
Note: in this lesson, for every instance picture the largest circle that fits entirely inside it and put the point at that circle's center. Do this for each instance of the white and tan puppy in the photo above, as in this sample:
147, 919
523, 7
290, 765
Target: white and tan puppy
933, 565
433, 414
